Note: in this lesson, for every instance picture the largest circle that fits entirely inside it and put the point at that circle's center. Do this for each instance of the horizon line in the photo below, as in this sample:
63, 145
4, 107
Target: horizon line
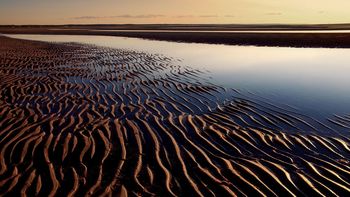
102, 24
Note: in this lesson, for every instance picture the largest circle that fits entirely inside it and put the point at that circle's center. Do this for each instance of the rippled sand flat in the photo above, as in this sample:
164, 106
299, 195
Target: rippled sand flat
84, 120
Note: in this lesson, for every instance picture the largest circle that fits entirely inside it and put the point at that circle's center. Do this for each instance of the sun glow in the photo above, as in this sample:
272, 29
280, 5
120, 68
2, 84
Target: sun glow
166, 11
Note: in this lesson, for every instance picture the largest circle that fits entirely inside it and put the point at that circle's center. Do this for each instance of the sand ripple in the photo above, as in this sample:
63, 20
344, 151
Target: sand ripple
83, 120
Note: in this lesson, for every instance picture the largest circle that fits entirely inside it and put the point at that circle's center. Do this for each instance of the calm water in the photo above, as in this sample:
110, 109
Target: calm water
314, 81
212, 31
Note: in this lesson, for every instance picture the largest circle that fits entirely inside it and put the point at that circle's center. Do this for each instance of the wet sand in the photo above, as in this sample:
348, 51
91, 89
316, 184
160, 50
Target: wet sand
206, 33
84, 120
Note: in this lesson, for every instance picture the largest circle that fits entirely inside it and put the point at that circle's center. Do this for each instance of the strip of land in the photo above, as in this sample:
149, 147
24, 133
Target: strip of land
213, 34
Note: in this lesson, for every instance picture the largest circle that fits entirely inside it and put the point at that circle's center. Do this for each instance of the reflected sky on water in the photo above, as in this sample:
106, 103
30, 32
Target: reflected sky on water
315, 81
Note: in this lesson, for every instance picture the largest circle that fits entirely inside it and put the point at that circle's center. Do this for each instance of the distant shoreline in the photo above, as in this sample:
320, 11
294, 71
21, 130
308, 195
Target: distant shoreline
211, 34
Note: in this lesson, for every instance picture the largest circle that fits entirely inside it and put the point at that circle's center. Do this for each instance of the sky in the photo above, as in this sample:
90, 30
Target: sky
21, 12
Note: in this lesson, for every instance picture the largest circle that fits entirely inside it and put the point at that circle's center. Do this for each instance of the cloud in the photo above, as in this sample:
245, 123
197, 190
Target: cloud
208, 16
86, 17
146, 16
139, 16
118, 16
273, 13
184, 16
196, 16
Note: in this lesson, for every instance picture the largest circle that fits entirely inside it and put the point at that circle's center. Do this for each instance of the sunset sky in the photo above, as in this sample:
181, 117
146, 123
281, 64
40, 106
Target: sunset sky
171, 11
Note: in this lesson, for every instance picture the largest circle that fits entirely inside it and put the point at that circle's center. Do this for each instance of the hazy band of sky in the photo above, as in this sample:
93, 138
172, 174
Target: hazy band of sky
170, 11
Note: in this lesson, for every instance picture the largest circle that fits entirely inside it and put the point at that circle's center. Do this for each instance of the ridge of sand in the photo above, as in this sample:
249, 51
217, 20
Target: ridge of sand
85, 120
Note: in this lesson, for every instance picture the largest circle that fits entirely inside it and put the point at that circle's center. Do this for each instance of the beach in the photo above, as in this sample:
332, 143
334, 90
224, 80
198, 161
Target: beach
79, 119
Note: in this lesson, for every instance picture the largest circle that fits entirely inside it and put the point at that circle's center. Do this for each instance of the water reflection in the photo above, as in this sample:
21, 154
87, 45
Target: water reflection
208, 31
313, 81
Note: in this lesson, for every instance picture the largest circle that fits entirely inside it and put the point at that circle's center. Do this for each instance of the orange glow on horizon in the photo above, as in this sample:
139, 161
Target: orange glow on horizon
166, 11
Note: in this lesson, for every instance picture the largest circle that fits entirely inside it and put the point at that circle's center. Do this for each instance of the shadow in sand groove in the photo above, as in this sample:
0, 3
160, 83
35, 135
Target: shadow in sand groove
85, 120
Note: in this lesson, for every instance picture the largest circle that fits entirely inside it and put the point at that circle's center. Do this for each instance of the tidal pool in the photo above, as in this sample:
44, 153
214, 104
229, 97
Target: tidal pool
311, 81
